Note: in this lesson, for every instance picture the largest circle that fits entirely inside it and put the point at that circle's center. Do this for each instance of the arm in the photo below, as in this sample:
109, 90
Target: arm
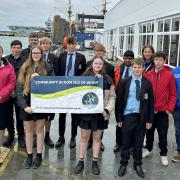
172, 94
84, 65
57, 65
119, 101
8, 89
151, 104
21, 100
111, 101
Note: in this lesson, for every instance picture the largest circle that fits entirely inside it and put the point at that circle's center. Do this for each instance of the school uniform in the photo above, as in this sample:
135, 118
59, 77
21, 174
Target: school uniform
98, 121
62, 67
24, 101
134, 108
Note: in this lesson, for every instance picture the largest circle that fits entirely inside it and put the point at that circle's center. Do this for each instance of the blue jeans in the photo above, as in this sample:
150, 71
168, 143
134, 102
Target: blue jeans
176, 116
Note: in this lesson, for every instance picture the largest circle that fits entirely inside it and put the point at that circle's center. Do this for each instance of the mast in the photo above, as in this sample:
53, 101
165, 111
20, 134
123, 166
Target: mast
70, 14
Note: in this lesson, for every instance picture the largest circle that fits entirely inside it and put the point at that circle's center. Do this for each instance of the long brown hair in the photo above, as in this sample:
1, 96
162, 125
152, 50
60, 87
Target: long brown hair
28, 68
89, 71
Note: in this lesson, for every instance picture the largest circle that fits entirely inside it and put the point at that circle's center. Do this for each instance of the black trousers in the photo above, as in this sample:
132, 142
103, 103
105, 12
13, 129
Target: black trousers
118, 136
161, 123
62, 125
133, 132
19, 122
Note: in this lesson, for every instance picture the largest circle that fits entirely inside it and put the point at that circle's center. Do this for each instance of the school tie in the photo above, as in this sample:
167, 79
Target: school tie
126, 73
138, 90
45, 57
69, 63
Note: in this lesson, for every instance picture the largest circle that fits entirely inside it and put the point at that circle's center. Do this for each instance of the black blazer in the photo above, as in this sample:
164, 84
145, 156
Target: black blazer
146, 100
52, 59
60, 64
108, 68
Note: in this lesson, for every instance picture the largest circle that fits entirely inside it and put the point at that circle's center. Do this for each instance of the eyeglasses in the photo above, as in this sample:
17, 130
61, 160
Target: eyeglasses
127, 58
36, 53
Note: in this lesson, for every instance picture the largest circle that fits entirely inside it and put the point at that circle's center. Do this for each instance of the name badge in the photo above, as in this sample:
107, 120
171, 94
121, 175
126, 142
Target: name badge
146, 96
80, 66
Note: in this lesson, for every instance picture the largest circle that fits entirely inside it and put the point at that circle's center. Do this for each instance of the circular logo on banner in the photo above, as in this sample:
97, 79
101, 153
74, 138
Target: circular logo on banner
90, 100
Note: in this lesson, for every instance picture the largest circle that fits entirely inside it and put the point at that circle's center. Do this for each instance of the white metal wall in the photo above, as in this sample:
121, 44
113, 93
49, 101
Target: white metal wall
129, 12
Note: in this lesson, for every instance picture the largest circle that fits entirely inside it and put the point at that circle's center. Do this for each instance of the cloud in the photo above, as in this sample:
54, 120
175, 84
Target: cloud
36, 12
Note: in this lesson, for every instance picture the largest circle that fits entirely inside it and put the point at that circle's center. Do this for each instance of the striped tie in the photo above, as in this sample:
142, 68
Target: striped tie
69, 63
138, 90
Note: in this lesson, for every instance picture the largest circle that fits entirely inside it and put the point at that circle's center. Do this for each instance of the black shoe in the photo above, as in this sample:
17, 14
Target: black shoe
37, 162
21, 142
48, 141
102, 147
139, 171
28, 162
9, 141
116, 148
122, 170
72, 143
79, 167
95, 168
60, 142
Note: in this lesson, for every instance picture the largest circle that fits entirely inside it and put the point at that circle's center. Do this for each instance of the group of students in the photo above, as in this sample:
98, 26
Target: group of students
142, 91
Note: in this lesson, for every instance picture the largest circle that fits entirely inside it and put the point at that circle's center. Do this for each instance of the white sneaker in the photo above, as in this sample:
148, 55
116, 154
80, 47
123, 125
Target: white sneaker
164, 160
146, 153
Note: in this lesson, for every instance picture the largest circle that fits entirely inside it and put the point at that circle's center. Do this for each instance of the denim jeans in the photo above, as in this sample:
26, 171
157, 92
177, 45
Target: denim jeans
176, 116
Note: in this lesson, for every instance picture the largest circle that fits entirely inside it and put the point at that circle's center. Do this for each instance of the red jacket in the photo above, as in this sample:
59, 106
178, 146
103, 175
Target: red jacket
7, 82
164, 88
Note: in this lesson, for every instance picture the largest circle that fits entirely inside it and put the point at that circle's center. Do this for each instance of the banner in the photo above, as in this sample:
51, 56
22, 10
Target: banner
61, 94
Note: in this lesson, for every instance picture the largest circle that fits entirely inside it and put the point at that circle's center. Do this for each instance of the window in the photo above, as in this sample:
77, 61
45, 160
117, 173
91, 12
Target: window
146, 31
175, 24
174, 49
129, 37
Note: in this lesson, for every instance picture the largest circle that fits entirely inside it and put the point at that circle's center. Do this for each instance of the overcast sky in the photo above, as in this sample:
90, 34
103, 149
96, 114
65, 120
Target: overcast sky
36, 12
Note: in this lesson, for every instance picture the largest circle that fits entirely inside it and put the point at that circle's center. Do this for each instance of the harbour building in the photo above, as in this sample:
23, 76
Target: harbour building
131, 24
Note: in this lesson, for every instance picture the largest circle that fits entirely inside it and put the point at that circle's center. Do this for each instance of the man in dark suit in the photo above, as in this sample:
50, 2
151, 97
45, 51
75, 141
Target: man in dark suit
45, 44
122, 71
134, 112
70, 63
99, 50
33, 40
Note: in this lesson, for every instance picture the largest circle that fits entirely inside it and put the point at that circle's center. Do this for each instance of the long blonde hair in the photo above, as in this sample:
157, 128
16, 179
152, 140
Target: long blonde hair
27, 69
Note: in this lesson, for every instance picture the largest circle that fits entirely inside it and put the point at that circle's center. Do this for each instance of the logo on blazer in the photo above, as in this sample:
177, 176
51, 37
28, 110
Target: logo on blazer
146, 96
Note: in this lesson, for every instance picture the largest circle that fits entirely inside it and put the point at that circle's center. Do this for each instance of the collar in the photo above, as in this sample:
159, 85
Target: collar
136, 78
71, 53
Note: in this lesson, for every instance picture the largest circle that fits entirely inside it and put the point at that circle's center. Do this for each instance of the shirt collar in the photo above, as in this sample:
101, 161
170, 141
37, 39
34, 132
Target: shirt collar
136, 78
71, 53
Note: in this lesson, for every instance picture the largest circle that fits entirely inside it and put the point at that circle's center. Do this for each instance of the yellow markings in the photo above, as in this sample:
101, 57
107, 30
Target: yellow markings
8, 153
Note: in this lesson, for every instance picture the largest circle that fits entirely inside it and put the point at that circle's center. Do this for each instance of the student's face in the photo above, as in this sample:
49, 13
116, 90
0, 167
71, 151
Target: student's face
99, 53
137, 69
36, 55
33, 41
159, 62
127, 60
71, 47
45, 46
147, 53
97, 65
16, 50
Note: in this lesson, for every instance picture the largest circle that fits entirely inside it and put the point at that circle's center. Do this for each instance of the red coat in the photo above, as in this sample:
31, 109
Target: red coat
164, 88
7, 82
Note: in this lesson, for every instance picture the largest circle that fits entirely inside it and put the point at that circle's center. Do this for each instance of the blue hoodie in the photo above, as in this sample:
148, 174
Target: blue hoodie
176, 72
